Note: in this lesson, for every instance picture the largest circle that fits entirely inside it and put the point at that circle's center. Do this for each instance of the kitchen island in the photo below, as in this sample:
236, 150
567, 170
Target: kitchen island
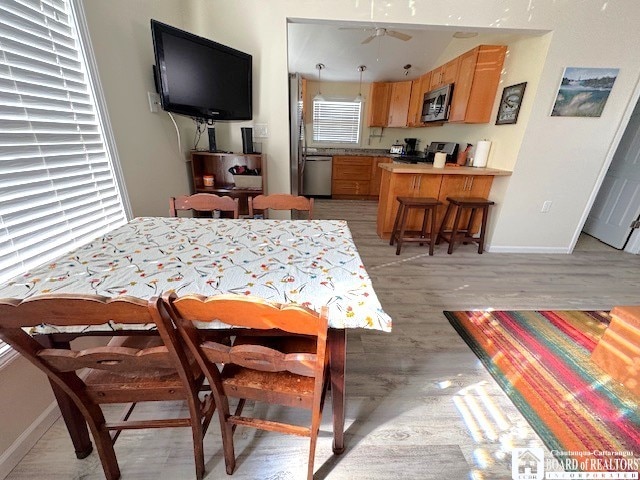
423, 180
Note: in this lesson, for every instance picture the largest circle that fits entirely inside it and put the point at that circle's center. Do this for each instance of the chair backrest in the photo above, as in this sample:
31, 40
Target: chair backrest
250, 312
281, 201
78, 310
204, 202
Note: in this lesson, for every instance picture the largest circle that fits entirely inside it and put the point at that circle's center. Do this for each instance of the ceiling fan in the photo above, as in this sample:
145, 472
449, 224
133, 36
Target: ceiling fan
381, 32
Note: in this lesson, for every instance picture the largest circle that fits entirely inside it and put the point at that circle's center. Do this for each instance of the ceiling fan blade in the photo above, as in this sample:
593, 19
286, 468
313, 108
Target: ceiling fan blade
368, 39
399, 35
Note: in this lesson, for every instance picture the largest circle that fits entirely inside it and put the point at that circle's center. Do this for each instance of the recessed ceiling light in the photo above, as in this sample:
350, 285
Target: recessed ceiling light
465, 34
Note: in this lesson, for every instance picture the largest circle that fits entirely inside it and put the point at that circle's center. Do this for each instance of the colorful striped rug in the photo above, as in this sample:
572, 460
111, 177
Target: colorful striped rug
541, 359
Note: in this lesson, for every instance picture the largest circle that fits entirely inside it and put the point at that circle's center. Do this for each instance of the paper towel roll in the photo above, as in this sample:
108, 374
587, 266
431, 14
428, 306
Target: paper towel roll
439, 160
482, 153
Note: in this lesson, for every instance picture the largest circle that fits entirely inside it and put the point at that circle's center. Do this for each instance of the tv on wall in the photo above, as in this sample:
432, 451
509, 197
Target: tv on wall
199, 77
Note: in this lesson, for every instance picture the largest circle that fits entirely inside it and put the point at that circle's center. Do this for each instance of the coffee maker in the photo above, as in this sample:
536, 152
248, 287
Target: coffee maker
411, 146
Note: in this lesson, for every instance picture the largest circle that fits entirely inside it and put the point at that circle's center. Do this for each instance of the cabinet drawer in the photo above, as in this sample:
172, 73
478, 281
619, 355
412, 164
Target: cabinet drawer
350, 187
352, 171
342, 160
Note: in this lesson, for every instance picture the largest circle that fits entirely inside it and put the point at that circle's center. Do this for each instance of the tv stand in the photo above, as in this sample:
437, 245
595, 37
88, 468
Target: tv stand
218, 164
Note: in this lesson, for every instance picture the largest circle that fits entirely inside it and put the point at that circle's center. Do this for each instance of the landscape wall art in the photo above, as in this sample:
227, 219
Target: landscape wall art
584, 92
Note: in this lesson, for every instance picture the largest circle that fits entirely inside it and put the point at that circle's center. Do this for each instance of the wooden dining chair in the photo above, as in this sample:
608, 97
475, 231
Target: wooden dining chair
287, 368
130, 369
204, 202
281, 201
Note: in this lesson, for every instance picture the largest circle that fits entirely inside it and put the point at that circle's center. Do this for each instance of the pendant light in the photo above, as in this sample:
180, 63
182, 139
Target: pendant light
359, 98
319, 97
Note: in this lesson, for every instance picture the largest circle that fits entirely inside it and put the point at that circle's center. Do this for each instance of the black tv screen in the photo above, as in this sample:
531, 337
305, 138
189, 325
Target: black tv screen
199, 77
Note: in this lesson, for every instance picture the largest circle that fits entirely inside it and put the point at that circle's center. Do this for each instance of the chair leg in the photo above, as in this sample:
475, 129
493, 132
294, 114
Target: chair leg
447, 214
454, 231
432, 212
423, 231
483, 227
472, 217
403, 226
395, 223
104, 445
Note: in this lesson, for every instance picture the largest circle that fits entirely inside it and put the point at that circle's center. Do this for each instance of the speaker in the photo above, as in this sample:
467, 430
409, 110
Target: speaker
212, 139
247, 140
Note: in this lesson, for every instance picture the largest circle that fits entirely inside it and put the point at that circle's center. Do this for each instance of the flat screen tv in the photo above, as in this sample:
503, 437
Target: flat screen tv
199, 77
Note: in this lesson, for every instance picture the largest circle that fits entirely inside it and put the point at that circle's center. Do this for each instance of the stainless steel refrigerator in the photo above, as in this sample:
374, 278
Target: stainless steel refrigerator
296, 134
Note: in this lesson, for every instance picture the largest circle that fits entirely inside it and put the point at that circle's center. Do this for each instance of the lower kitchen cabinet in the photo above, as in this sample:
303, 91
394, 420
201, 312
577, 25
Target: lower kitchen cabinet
426, 181
405, 185
356, 177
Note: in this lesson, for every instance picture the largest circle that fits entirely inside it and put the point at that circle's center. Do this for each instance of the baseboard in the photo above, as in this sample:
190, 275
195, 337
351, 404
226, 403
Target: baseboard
18, 449
550, 250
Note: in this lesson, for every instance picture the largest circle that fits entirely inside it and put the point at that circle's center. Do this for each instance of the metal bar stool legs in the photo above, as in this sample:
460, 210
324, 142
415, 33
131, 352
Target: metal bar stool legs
400, 234
464, 234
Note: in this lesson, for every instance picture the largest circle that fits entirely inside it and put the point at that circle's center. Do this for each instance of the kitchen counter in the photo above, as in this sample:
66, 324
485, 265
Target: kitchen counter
355, 152
427, 168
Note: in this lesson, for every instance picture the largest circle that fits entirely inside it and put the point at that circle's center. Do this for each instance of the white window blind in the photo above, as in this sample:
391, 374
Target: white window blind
336, 121
58, 186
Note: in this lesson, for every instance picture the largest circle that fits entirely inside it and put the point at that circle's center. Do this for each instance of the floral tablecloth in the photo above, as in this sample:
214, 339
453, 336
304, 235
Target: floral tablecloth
309, 262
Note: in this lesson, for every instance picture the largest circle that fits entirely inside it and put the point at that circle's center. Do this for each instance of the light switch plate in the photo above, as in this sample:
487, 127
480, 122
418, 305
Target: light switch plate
260, 130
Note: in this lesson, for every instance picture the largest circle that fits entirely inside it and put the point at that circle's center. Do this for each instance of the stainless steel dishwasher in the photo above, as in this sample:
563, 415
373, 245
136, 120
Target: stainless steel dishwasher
317, 176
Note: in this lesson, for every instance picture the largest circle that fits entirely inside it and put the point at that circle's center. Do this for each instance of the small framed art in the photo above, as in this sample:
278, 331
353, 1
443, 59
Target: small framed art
510, 104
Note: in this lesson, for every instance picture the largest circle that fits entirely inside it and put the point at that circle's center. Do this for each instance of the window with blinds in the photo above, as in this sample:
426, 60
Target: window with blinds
336, 121
58, 186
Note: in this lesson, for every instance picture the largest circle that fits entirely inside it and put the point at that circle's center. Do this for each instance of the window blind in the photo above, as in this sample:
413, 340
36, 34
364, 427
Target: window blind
58, 187
336, 121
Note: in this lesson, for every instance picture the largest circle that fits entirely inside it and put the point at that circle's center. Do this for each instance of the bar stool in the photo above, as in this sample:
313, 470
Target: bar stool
401, 234
461, 204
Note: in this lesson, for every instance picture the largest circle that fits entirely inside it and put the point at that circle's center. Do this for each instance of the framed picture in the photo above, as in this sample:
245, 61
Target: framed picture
510, 104
583, 92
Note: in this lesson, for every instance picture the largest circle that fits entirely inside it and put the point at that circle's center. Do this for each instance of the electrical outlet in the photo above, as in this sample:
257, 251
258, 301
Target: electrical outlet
154, 101
260, 130
546, 206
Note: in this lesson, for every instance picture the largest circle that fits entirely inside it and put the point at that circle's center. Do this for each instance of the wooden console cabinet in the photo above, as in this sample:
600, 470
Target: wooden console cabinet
218, 165
425, 181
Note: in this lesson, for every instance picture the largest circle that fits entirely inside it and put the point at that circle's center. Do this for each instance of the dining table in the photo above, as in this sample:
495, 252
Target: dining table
314, 263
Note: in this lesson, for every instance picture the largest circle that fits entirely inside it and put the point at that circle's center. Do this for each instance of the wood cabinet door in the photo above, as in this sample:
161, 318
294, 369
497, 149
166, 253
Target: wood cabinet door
462, 88
399, 104
450, 71
351, 176
436, 78
376, 175
415, 104
379, 97
486, 79
463, 186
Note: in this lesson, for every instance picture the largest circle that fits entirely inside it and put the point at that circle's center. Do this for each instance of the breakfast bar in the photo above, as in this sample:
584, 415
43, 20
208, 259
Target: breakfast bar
424, 180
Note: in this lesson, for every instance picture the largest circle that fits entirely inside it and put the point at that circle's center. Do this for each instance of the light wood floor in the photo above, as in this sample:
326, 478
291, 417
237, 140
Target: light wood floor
420, 405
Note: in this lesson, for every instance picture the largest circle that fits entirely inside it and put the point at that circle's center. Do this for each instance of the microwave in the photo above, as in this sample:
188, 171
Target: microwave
435, 107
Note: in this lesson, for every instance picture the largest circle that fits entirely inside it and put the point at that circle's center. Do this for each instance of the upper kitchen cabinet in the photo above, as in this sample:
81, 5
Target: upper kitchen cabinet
477, 81
379, 98
444, 74
399, 104
418, 88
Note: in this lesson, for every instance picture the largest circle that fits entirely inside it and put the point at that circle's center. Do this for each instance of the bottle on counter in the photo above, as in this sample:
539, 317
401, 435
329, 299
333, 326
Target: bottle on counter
462, 155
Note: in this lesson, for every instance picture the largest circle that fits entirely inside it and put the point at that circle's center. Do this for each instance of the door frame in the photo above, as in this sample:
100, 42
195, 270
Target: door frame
633, 245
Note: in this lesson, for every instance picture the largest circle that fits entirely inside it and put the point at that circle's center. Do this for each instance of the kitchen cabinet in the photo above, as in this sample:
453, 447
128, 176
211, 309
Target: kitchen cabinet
376, 175
444, 74
351, 177
418, 88
463, 186
403, 185
476, 84
399, 104
379, 98
218, 165
425, 181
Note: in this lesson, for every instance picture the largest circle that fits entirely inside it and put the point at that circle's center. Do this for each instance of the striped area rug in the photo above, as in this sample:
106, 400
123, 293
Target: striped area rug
541, 359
